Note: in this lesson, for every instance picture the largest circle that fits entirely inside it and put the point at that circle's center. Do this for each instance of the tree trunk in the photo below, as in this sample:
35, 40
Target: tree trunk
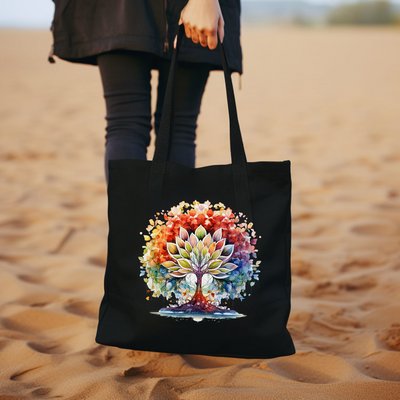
199, 300
198, 303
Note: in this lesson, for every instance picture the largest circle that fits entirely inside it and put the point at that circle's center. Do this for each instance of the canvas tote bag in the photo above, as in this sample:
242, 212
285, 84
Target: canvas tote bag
198, 258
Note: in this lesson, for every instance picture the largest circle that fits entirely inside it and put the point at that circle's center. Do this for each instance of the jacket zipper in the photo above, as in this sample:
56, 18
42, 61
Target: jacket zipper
166, 44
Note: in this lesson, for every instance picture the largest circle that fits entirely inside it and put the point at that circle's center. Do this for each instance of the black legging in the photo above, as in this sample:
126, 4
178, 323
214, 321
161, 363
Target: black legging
126, 83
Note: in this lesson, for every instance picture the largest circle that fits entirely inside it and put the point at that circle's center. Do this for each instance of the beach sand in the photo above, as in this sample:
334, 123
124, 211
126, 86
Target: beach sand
326, 99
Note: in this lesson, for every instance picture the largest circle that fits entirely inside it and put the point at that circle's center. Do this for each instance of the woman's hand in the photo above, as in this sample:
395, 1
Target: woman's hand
202, 20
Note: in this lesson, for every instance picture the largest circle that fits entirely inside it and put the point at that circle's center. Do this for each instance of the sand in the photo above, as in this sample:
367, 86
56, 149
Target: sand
326, 99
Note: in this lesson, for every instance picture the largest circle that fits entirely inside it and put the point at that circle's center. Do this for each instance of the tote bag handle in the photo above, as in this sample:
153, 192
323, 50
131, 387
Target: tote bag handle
164, 139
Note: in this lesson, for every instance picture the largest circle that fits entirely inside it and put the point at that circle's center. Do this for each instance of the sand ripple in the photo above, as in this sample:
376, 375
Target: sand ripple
328, 100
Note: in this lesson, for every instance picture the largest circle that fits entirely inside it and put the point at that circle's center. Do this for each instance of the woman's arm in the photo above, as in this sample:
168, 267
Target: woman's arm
202, 20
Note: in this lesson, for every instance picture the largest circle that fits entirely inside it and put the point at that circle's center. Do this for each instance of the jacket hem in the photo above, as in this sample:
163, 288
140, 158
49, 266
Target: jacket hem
87, 52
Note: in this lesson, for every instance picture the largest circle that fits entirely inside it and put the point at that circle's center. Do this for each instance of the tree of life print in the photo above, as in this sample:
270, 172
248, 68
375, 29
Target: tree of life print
197, 255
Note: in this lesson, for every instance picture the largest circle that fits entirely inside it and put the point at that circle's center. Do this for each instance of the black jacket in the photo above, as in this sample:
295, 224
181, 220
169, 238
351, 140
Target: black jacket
84, 28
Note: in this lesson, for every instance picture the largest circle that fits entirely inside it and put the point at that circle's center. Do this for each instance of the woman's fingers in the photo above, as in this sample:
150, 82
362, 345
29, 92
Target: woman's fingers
188, 31
195, 35
206, 38
212, 40
203, 39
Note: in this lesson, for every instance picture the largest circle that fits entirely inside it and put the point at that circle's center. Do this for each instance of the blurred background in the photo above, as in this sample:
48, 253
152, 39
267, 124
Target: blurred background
38, 13
321, 88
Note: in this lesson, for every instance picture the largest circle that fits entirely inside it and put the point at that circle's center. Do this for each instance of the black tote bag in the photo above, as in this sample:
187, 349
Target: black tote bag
198, 258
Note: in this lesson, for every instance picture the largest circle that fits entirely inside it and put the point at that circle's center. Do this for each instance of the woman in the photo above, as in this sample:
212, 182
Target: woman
129, 38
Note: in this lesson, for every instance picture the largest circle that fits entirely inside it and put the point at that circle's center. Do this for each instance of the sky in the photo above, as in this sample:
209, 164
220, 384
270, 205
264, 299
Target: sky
39, 13
26, 13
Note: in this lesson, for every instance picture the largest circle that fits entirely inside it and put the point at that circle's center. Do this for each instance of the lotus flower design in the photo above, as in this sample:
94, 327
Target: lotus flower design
200, 253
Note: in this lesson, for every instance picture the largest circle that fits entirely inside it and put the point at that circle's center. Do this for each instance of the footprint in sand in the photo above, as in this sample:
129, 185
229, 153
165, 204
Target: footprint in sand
82, 308
316, 245
298, 324
99, 260
30, 278
359, 283
382, 365
103, 356
145, 356
21, 375
41, 391
305, 269
300, 268
312, 368
328, 287
363, 263
376, 229
72, 205
99, 356
17, 223
391, 336
38, 299
175, 364
206, 362
47, 348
